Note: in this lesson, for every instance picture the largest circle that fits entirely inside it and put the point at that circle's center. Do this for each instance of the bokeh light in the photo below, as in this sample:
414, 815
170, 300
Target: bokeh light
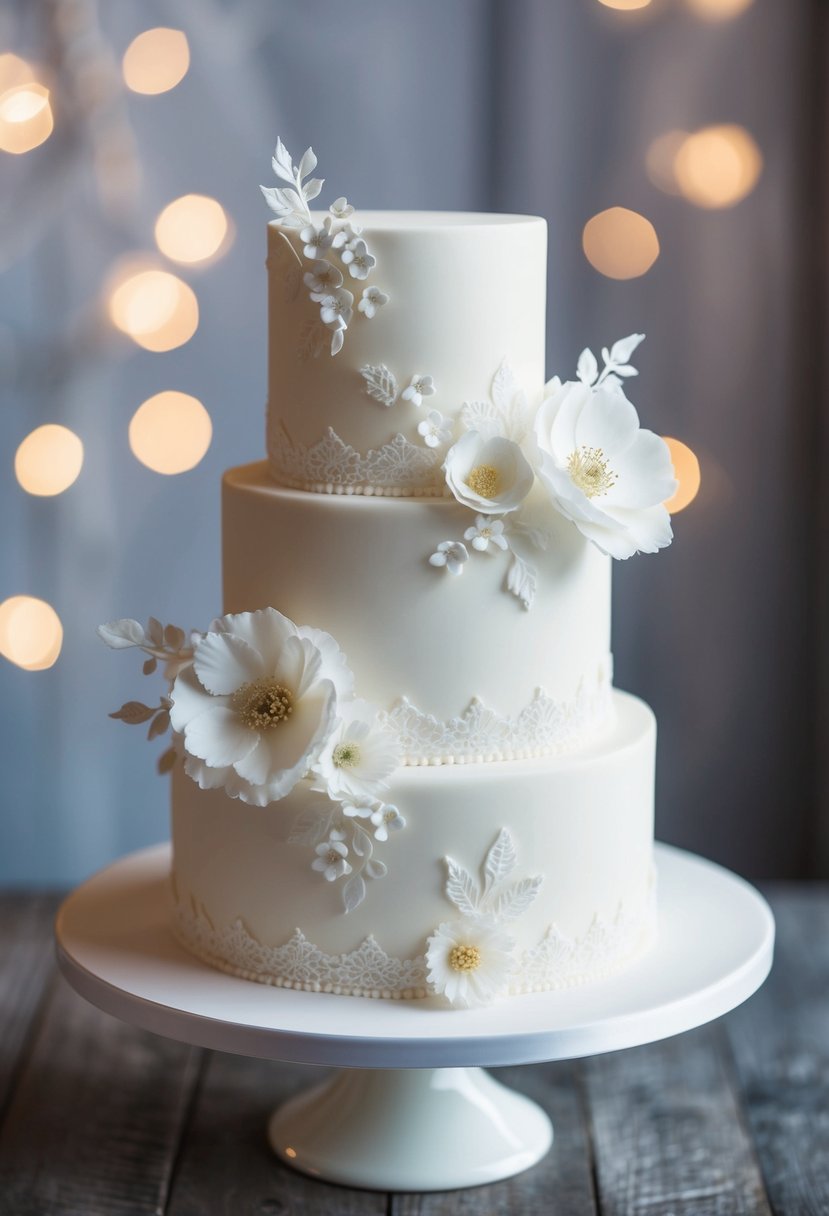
157, 309
625, 6
170, 432
686, 471
25, 117
718, 166
31, 634
156, 61
192, 228
718, 10
661, 157
48, 460
14, 71
620, 244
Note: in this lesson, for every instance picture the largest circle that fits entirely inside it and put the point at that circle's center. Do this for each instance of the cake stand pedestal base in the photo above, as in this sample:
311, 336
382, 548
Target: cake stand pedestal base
412, 1110
410, 1129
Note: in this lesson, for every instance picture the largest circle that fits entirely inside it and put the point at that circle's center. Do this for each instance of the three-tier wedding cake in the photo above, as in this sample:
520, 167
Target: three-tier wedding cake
399, 768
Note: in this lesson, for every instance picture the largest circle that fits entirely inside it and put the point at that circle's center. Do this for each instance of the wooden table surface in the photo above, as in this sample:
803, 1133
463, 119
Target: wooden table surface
99, 1119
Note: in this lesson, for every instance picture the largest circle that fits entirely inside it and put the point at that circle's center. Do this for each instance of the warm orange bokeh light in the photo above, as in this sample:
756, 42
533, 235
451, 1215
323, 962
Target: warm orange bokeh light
14, 71
25, 117
660, 158
48, 460
626, 6
157, 309
719, 10
620, 244
192, 228
686, 471
156, 61
170, 432
717, 166
31, 634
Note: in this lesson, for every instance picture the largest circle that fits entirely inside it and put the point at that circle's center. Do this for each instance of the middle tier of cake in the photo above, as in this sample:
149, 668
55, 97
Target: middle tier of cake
462, 670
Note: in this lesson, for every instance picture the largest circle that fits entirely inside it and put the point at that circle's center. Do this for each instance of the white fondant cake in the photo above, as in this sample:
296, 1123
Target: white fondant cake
399, 767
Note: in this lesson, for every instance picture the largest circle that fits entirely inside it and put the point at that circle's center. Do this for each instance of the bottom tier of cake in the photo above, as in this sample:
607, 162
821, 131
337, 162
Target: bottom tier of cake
471, 881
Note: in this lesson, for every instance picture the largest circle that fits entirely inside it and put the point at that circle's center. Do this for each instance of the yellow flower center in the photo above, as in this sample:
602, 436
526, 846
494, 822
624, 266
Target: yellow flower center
332, 857
485, 480
263, 704
589, 471
346, 755
464, 958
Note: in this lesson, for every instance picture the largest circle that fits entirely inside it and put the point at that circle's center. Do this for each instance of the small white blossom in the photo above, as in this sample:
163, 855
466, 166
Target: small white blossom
451, 554
420, 387
469, 962
336, 308
357, 258
316, 240
486, 531
358, 757
358, 810
435, 429
332, 857
345, 236
322, 279
491, 475
385, 819
341, 208
373, 298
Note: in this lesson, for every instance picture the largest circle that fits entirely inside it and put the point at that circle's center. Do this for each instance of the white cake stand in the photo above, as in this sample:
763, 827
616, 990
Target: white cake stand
415, 1111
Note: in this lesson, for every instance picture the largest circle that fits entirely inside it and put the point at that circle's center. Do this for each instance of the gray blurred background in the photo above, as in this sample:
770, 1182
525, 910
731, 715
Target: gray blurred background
555, 108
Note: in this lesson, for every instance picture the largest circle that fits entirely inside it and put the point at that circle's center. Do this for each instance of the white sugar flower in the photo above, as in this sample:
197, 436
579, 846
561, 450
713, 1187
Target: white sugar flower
336, 308
485, 532
491, 476
373, 298
345, 235
469, 962
341, 208
322, 279
316, 240
451, 554
258, 704
358, 810
420, 387
385, 819
359, 756
435, 429
332, 857
602, 471
357, 258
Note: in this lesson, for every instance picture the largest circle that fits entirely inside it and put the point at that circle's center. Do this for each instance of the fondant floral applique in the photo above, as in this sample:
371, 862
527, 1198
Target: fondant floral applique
451, 556
470, 960
335, 236
418, 388
435, 430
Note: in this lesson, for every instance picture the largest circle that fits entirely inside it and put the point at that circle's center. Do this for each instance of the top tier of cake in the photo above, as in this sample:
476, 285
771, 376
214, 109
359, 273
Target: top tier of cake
464, 292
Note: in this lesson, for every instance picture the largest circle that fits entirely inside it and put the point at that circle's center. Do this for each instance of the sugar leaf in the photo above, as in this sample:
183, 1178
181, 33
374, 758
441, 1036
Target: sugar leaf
461, 888
134, 713
587, 369
500, 861
522, 580
121, 634
354, 892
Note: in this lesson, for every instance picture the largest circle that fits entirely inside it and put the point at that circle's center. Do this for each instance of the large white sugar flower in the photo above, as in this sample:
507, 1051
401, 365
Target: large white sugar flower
357, 258
332, 857
450, 554
490, 475
435, 429
359, 755
602, 471
316, 240
420, 387
322, 279
258, 704
469, 962
373, 298
486, 532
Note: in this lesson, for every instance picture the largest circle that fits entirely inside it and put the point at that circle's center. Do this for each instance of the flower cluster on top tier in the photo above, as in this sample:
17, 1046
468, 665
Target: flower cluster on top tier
337, 236
256, 704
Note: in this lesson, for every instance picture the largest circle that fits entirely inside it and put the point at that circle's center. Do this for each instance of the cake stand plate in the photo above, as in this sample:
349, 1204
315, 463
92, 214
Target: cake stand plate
447, 1123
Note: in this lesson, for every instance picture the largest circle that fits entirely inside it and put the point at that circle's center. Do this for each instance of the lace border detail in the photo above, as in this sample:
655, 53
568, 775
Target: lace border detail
557, 961
481, 735
399, 469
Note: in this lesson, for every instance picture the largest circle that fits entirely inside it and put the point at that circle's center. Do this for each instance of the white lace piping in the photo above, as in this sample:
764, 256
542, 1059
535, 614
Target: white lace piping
556, 961
543, 727
399, 469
